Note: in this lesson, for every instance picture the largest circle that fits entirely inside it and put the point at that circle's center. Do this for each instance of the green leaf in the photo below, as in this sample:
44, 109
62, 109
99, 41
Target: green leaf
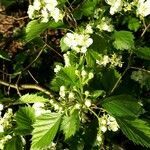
122, 106
124, 40
65, 77
136, 130
35, 28
33, 98
70, 124
4, 55
88, 7
91, 57
14, 144
25, 117
63, 46
143, 52
7, 2
133, 24
45, 129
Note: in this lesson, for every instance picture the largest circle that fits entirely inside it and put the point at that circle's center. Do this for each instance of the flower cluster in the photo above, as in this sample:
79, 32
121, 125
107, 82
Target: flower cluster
116, 6
108, 122
143, 8
45, 9
39, 109
6, 120
78, 42
141, 77
105, 25
4, 140
114, 61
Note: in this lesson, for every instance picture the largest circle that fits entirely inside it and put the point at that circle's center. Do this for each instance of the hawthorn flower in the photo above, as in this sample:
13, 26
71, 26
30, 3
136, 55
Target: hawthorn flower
91, 75
1, 128
45, 10
105, 60
62, 91
88, 103
105, 25
88, 29
39, 108
116, 6
103, 129
78, 42
1, 107
143, 8
71, 95
57, 68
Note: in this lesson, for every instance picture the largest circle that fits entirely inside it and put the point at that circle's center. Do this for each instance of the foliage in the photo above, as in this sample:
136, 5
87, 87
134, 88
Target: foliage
81, 74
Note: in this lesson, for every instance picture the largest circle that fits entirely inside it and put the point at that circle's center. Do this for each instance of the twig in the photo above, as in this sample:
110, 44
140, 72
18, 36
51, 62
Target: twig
27, 86
118, 81
32, 77
145, 28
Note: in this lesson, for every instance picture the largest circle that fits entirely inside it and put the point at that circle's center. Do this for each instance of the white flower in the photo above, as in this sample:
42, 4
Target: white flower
1, 107
116, 5
36, 5
1, 128
30, 11
103, 121
86, 93
56, 106
88, 103
91, 75
66, 59
99, 138
89, 29
71, 95
105, 60
143, 8
77, 106
83, 50
45, 15
38, 105
83, 73
8, 137
56, 14
57, 68
103, 128
62, 91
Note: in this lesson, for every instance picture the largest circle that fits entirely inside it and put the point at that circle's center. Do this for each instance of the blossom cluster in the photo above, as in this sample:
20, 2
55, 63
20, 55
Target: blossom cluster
4, 140
6, 120
114, 61
78, 42
39, 109
108, 122
141, 77
105, 25
45, 9
143, 6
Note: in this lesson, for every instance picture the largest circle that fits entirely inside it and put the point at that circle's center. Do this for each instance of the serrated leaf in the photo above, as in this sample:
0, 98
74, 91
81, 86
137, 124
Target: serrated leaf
70, 124
122, 106
88, 7
65, 77
14, 144
124, 40
33, 98
136, 130
133, 24
143, 52
35, 28
25, 117
45, 129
